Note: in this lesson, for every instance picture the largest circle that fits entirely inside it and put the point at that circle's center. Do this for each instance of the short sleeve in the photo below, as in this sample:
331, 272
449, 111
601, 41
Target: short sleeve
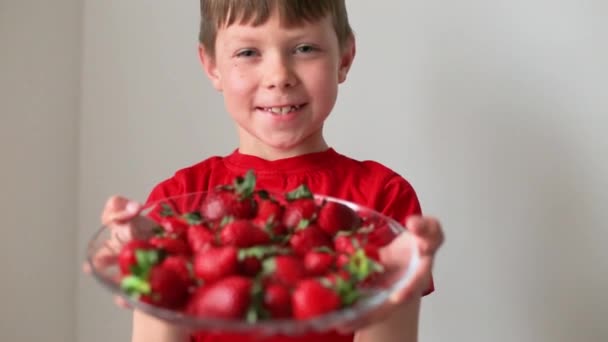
399, 201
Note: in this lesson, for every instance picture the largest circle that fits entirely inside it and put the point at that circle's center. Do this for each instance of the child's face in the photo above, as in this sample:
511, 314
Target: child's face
279, 84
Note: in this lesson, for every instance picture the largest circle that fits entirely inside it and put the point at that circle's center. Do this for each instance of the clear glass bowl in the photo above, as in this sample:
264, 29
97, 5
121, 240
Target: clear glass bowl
376, 293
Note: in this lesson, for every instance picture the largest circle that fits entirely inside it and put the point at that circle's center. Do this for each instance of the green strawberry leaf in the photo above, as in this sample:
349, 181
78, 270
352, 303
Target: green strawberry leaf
303, 224
193, 218
256, 310
244, 187
300, 192
226, 220
324, 249
347, 291
263, 194
135, 286
166, 210
158, 231
269, 266
360, 266
146, 259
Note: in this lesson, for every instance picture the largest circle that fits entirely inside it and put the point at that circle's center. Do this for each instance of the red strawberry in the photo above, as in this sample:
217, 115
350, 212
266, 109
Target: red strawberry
214, 263
268, 208
243, 233
299, 210
380, 233
174, 226
311, 299
306, 239
342, 260
180, 265
275, 229
199, 237
250, 266
348, 243
334, 216
234, 200
371, 251
228, 298
127, 258
335, 277
159, 285
277, 300
318, 263
301, 206
170, 245
285, 269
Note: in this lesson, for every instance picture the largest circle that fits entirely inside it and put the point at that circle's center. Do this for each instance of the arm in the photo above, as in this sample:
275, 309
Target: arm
150, 329
400, 326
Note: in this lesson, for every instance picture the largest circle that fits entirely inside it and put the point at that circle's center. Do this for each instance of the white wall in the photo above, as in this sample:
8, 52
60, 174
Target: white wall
39, 90
496, 111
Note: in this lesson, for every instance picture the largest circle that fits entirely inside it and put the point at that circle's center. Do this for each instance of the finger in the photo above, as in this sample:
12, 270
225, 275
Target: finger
86, 268
106, 256
119, 209
428, 233
121, 302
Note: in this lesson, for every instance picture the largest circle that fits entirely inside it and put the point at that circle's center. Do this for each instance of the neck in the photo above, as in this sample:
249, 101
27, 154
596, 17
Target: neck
314, 143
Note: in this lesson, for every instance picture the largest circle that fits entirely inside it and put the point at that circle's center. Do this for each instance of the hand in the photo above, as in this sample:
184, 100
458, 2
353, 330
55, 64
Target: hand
428, 237
121, 216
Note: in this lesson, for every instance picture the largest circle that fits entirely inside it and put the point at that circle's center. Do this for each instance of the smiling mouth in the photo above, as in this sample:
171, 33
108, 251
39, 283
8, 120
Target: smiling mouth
282, 110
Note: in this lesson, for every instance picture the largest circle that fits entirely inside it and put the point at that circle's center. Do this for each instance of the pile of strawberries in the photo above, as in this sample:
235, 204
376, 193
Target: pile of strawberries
244, 254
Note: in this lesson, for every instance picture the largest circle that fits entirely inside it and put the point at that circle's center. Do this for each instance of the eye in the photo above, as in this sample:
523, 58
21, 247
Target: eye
246, 53
305, 48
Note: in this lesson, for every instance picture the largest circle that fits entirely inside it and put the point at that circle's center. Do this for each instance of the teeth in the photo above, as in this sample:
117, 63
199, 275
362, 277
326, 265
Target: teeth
282, 110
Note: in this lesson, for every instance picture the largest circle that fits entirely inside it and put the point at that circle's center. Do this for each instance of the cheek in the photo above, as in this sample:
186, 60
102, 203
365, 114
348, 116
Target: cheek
238, 82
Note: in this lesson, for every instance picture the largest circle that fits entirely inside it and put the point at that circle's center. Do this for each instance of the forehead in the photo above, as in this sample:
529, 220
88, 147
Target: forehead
276, 25
289, 12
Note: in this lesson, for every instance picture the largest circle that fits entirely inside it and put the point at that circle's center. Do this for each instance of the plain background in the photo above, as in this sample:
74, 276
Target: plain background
496, 111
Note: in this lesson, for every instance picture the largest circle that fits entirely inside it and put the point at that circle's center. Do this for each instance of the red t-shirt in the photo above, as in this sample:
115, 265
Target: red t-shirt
367, 183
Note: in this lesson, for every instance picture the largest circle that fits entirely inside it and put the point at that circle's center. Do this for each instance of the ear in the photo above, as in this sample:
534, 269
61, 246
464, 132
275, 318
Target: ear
346, 58
210, 67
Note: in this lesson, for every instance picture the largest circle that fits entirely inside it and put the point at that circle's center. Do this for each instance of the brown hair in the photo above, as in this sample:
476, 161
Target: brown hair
219, 13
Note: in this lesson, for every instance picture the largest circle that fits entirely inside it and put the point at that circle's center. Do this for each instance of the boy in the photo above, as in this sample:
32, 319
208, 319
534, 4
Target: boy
278, 65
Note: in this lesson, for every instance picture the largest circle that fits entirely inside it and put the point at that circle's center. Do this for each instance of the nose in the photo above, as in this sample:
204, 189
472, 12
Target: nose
279, 73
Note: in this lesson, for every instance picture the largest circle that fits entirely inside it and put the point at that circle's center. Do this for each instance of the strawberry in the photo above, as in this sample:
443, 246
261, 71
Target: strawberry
348, 243
342, 260
250, 266
243, 233
158, 283
234, 200
380, 232
306, 239
228, 298
170, 245
215, 263
199, 237
334, 216
167, 288
174, 226
268, 208
277, 300
318, 262
275, 229
335, 277
310, 299
301, 206
180, 265
127, 257
285, 269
